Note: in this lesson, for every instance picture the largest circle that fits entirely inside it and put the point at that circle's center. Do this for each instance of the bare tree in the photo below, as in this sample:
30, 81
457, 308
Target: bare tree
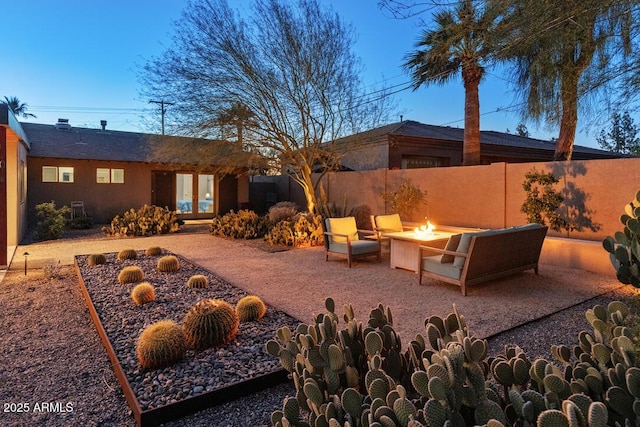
290, 65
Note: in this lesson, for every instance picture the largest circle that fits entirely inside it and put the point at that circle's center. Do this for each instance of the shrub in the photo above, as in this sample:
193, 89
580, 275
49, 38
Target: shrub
161, 344
168, 264
405, 200
245, 224
146, 221
130, 274
282, 211
143, 293
197, 281
153, 251
362, 213
208, 323
80, 223
250, 308
96, 259
127, 254
543, 201
51, 221
302, 230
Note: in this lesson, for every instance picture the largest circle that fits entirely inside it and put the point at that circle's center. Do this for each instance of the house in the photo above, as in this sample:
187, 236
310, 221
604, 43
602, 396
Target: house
410, 144
112, 171
14, 146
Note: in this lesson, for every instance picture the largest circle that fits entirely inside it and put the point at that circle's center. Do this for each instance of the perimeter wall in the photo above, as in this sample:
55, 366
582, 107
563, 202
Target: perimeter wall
595, 193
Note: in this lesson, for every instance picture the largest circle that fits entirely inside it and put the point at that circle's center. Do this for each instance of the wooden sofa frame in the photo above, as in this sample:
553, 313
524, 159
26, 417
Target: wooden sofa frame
491, 256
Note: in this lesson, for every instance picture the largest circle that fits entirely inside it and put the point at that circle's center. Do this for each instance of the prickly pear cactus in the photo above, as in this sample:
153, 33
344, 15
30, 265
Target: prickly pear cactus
624, 246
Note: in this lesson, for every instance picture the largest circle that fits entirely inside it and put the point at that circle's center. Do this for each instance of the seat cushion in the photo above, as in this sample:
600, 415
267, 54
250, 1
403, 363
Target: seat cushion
452, 245
435, 265
345, 225
358, 247
388, 223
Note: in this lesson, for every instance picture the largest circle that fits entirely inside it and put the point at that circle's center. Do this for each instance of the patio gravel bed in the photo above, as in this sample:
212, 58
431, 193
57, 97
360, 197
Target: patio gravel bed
244, 359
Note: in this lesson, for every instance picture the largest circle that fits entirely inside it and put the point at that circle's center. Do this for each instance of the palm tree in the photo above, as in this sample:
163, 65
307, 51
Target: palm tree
460, 41
18, 108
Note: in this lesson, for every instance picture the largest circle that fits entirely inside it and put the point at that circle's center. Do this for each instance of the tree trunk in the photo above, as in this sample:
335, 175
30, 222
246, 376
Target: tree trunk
471, 144
568, 120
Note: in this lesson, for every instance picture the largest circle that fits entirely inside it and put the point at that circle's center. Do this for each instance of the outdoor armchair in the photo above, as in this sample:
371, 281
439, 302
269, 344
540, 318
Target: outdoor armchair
387, 224
342, 238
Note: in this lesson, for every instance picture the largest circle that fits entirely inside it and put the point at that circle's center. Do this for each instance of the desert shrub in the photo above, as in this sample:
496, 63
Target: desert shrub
543, 200
405, 200
96, 259
362, 213
143, 293
168, 264
153, 251
161, 344
130, 274
302, 230
127, 254
208, 323
250, 308
282, 211
146, 221
197, 281
245, 224
51, 221
80, 223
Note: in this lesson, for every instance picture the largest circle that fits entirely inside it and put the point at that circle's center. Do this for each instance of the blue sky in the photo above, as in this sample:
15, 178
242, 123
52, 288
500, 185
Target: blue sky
79, 59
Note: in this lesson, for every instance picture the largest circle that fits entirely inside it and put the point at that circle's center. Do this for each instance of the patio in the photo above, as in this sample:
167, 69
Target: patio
295, 281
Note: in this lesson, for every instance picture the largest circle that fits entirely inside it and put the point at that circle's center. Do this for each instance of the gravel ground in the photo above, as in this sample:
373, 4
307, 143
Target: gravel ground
54, 370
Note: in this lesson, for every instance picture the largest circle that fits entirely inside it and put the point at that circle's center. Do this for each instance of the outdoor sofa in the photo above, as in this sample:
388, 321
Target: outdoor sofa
471, 258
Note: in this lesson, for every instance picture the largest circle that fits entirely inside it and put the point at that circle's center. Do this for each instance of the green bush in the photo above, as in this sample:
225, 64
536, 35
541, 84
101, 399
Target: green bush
302, 230
245, 224
80, 223
146, 221
51, 221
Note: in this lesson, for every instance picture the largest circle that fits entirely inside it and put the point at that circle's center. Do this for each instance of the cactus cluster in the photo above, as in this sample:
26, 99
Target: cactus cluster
624, 246
160, 344
143, 293
250, 308
209, 323
168, 264
130, 274
153, 251
197, 281
96, 259
359, 376
127, 254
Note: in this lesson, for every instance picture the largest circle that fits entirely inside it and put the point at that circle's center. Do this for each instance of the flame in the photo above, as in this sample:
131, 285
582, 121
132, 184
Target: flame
425, 230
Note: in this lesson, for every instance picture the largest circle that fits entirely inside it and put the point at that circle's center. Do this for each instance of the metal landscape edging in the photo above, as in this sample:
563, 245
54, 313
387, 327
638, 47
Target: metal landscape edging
183, 407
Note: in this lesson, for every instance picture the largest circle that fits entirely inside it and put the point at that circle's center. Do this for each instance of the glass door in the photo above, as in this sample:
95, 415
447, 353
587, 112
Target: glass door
205, 193
184, 193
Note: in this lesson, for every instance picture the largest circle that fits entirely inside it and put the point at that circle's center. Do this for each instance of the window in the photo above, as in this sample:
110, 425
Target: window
117, 176
413, 162
49, 174
106, 176
57, 174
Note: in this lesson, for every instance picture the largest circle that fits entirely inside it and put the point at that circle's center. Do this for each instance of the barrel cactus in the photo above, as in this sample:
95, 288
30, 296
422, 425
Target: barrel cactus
143, 293
197, 281
624, 246
96, 259
210, 322
168, 264
250, 308
153, 251
161, 344
126, 254
130, 274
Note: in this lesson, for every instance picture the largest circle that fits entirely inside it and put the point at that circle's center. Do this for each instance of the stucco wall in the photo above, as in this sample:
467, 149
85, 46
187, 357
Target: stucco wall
490, 196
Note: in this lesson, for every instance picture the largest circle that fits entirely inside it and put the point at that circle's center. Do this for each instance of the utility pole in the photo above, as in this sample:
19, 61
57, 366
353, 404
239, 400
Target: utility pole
163, 110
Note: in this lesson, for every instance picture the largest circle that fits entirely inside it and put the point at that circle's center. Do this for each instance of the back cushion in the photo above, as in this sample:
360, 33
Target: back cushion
388, 222
342, 226
452, 245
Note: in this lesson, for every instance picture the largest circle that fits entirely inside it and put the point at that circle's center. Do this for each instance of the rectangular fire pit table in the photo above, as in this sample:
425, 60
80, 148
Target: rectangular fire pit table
405, 247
